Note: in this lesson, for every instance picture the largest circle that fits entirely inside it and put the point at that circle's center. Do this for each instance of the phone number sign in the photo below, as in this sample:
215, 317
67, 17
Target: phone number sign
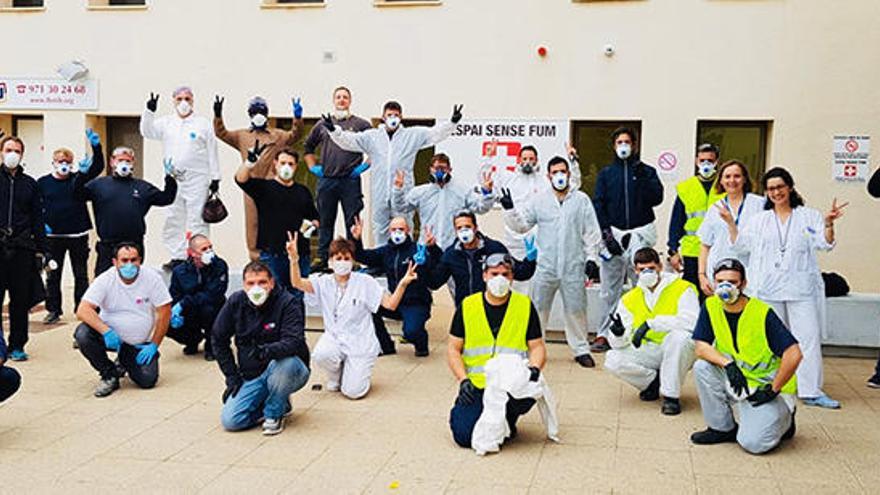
47, 94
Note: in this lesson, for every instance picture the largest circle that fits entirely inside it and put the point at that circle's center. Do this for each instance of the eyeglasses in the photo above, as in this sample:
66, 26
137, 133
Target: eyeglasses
775, 188
497, 259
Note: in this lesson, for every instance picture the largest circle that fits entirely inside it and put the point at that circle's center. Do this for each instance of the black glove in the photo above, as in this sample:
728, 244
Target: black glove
611, 243
762, 396
327, 120
736, 378
2, 133
254, 153
467, 393
153, 102
592, 271
535, 373
456, 113
233, 385
617, 327
639, 335
218, 106
625, 240
214, 187
506, 199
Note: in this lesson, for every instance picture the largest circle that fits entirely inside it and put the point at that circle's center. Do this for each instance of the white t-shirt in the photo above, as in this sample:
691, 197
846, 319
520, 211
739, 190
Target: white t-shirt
129, 308
348, 311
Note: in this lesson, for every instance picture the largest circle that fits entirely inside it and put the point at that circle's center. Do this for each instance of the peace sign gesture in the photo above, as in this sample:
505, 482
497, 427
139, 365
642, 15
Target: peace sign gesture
410, 275
835, 212
357, 229
253, 154
292, 250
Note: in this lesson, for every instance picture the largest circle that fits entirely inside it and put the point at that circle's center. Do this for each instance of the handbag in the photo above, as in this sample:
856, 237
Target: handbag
214, 210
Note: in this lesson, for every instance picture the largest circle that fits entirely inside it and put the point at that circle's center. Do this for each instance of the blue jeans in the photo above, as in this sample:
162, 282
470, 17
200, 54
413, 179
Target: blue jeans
279, 264
463, 417
332, 191
267, 395
414, 319
10, 380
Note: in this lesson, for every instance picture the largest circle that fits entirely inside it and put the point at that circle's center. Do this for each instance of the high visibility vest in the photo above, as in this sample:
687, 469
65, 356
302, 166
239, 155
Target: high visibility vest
480, 345
667, 304
696, 203
754, 357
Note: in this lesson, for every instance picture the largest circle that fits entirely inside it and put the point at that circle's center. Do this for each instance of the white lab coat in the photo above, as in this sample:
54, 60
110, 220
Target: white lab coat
714, 234
509, 374
387, 155
438, 205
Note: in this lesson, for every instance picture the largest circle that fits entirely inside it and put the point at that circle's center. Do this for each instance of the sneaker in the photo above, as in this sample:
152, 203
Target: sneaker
273, 426
402, 340
18, 355
600, 345
791, 429
874, 381
711, 437
52, 317
670, 407
106, 386
191, 349
332, 386
209, 356
586, 361
388, 352
651, 393
423, 353
823, 401
75, 344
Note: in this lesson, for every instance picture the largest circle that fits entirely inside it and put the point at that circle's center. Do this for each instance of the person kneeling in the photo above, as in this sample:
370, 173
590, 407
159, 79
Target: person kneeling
135, 308
747, 358
650, 335
269, 329
348, 348
497, 321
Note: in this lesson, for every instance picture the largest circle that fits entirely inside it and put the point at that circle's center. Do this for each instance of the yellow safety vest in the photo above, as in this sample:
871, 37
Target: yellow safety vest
754, 357
667, 304
480, 345
696, 203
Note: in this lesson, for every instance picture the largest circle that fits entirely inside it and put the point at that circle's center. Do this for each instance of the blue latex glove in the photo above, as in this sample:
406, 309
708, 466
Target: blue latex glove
297, 108
111, 340
177, 309
363, 167
421, 254
48, 229
317, 170
93, 136
85, 164
146, 353
531, 249
169, 166
176, 321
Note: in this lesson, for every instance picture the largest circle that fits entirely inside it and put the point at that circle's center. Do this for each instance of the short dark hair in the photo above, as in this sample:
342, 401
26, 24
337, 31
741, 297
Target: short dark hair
528, 147
729, 264
629, 131
794, 197
392, 105
287, 151
556, 160
127, 245
342, 88
709, 148
341, 245
747, 178
195, 237
466, 214
256, 267
15, 139
441, 157
646, 255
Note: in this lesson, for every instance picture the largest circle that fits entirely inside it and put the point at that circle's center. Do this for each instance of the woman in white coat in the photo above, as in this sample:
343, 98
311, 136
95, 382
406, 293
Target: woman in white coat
742, 204
782, 242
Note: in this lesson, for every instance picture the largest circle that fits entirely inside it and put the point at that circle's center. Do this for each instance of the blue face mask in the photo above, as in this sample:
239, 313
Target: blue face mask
440, 177
128, 271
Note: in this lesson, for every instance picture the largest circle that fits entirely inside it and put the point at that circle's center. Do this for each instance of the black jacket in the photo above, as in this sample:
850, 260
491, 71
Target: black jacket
394, 260
121, 204
64, 212
21, 212
274, 330
626, 193
198, 288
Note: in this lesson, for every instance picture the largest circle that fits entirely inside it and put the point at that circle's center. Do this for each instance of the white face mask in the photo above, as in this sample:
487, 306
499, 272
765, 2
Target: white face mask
259, 120
706, 169
339, 114
465, 235
207, 257
257, 295
62, 168
184, 108
727, 292
498, 286
624, 151
648, 279
342, 267
392, 121
11, 159
285, 172
398, 236
124, 169
559, 181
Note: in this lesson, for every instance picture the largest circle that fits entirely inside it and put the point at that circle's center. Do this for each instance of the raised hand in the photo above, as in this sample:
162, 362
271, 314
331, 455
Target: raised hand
292, 250
572, 151
153, 102
456, 113
94, 138
834, 213
327, 120
492, 148
430, 240
253, 154
488, 182
421, 254
725, 214
410, 275
297, 107
218, 106
357, 229
398, 179
531, 248
506, 199
168, 163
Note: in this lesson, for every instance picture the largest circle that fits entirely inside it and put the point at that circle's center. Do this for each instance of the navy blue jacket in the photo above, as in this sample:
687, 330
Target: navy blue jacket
121, 204
466, 266
21, 212
394, 259
626, 194
64, 213
200, 288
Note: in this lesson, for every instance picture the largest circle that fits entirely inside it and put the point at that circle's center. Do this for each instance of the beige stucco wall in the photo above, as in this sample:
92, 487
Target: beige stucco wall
810, 66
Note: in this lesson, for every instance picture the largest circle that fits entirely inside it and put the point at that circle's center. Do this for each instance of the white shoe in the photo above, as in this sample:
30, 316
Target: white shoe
273, 426
332, 386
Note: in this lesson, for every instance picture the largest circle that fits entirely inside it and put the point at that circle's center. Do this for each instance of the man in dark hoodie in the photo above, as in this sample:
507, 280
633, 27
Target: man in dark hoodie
627, 191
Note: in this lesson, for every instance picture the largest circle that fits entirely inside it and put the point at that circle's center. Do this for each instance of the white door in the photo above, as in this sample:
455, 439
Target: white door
30, 130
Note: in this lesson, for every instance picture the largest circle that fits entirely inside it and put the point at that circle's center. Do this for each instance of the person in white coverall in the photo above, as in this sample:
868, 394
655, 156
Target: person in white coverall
651, 333
782, 242
568, 239
189, 141
439, 201
348, 348
391, 147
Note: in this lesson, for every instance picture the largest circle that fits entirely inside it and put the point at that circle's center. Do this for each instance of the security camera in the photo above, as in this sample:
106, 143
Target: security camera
609, 50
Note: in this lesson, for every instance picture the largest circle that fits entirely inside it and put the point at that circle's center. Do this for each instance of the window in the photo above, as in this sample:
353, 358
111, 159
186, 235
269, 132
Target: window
741, 140
30, 129
292, 3
24, 5
405, 3
120, 4
27, 3
125, 131
592, 139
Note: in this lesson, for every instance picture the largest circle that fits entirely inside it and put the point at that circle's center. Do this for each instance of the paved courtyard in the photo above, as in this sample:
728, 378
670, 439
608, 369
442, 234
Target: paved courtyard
56, 437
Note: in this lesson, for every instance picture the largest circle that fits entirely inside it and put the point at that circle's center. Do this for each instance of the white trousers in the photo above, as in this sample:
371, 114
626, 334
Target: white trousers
185, 214
804, 319
349, 374
638, 367
574, 306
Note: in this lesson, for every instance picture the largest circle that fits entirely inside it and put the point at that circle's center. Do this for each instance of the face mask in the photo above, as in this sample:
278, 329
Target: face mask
257, 295
559, 181
624, 150
527, 167
258, 120
207, 257
392, 121
128, 271
63, 168
342, 267
124, 169
706, 169
11, 159
648, 279
440, 177
340, 114
184, 108
285, 172
398, 236
727, 292
465, 235
498, 286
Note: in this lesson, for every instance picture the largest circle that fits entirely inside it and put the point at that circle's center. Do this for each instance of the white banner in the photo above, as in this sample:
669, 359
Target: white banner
20, 93
852, 158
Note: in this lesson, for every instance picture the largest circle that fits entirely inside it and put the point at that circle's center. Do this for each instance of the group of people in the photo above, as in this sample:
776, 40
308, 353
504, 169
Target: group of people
746, 338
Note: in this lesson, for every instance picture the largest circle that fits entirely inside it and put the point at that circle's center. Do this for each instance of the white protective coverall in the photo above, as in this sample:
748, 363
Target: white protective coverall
388, 154
509, 374
713, 233
672, 358
568, 235
190, 143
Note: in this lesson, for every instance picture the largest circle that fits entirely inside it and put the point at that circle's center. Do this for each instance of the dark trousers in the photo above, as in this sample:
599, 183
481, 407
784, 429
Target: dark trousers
414, 319
279, 265
91, 345
197, 324
17, 272
692, 274
332, 191
385, 342
78, 248
463, 417
10, 380
105, 254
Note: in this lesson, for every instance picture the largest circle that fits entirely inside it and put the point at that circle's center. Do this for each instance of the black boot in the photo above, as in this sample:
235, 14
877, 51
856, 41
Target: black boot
651, 393
711, 437
670, 407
